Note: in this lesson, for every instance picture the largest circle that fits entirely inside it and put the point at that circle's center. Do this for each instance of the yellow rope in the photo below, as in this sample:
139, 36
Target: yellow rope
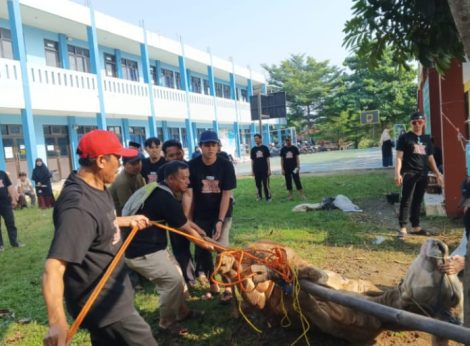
297, 307
244, 316
286, 316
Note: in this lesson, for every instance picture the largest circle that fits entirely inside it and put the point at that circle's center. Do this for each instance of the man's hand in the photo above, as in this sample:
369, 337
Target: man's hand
269, 172
13, 203
440, 180
453, 265
140, 221
218, 230
398, 179
56, 335
198, 229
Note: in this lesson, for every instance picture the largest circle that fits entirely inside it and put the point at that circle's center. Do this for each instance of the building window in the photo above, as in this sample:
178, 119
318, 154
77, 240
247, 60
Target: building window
168, 78
6, 49
116, 130
110, 65
79, 59
244, 95
178, 80
160, 133
226, 91
82, 130
207, 89
51, 49
196, 85
137, 134
153, 75
130, 69
219, 90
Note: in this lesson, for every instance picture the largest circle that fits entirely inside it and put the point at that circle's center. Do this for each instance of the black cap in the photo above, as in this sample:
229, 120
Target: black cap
134, 144
132, 159
417, 116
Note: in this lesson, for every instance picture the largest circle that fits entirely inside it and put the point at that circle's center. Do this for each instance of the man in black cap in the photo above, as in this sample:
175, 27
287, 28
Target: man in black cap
414, 156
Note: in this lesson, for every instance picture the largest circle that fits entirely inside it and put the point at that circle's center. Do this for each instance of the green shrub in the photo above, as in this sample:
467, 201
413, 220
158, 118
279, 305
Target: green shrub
366, 143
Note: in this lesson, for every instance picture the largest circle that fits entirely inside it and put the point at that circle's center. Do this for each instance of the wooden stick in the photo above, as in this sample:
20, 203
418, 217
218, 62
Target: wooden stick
91, 299
406, 319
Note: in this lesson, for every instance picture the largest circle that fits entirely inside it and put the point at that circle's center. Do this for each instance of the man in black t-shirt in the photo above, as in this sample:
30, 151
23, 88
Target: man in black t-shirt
414, 155
212, 180
8, 200
261, 167
86, 239
148, 254
155, 160
290, 166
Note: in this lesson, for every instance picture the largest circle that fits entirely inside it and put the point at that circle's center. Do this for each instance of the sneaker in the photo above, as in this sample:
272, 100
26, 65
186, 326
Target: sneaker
19, 245
2, 248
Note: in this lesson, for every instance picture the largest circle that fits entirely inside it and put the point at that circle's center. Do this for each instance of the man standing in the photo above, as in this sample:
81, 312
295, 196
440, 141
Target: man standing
8, 200
86, 239
290, 166
261, 167
155, 160
127, 182
212, 179
148, 254
414, 155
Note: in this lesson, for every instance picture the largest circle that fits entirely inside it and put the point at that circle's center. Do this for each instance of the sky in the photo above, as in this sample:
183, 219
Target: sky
252, 32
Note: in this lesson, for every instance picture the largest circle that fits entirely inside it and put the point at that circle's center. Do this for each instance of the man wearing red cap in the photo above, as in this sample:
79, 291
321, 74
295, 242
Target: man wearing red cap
86, 239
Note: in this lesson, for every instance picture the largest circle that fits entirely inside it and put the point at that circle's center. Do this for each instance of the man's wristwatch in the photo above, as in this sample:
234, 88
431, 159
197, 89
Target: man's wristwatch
220, 220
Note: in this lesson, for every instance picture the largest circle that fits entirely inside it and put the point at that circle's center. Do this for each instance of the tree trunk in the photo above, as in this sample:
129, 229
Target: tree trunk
460, 10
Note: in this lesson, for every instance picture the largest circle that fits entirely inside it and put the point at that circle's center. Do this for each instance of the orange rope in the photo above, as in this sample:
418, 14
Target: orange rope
91, 299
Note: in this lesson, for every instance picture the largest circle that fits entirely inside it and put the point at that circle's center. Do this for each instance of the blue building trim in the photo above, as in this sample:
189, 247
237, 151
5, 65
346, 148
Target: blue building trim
215, 126
64, 52
233, 86
158, 67
184, 86
236, 129
3, 166
118, 57
72, 126
166, 134
183, 74
19, 53
144, 52
211, 79
152, 127
96, 68
249, 89
279, 133
267, 135
188, 77
264, 89
125, 132
252, 133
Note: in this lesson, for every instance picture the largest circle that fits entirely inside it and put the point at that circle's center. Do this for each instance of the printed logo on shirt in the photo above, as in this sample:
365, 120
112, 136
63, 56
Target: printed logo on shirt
117, 232
1, 183
152, 177
210, 185
289, 155
419, 149
259, 154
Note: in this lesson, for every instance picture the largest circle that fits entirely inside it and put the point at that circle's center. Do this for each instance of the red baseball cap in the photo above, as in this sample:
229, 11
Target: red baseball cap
100, 142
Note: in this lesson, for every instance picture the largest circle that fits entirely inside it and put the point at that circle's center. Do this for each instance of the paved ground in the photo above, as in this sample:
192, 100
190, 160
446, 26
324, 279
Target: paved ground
329, 161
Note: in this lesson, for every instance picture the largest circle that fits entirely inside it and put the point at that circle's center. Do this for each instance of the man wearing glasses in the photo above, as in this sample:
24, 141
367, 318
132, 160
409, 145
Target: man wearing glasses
414, 156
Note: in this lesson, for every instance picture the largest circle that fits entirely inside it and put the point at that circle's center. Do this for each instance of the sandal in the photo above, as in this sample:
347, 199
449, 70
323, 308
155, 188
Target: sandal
401, 235
175, 329
226, 297
422, 232
196, 314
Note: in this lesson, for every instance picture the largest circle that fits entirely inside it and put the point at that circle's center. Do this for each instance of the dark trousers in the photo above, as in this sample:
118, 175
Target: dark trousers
181, 250
131, 330
6, 212
261, 178
412, 193
204, 261
289, 175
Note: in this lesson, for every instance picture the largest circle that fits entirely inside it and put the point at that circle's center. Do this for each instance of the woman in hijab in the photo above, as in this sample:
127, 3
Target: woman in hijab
387, 145
42, 179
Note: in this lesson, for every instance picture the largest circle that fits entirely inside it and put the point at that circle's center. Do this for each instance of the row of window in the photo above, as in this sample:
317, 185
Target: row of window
79, 60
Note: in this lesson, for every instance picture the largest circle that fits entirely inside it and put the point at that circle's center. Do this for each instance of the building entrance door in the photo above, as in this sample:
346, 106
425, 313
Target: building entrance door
57, 142
14, 151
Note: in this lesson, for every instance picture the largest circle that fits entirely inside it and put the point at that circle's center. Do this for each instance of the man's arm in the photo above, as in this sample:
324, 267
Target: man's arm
189, 228
435, 170
53, 293
186, 202
13, 195
269, 165
398, 165
140, 221
282, 165
223, 208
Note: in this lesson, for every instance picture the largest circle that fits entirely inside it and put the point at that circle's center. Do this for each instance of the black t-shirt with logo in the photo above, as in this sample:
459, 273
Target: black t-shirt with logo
4, 183
208, 182
150, 170
87, 238
161, 205
289, 154
260, 155
416, 150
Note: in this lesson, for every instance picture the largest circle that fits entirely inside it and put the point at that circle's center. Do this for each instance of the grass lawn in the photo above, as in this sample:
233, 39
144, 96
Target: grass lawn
329, 239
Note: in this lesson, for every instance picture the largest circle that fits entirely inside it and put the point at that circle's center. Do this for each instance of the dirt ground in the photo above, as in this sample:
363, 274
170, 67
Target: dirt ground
386, 271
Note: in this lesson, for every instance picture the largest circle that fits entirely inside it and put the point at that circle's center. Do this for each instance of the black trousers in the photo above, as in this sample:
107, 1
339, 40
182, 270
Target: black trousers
6, 212
412, 193
261, 178
204, 261
181, 250
288, 176
131, 330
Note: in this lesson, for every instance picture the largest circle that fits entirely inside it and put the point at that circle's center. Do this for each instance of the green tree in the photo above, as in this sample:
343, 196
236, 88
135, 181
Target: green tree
420, 29
307, 83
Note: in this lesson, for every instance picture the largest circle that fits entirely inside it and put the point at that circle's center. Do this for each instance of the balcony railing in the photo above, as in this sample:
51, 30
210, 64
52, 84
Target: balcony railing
56, 90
